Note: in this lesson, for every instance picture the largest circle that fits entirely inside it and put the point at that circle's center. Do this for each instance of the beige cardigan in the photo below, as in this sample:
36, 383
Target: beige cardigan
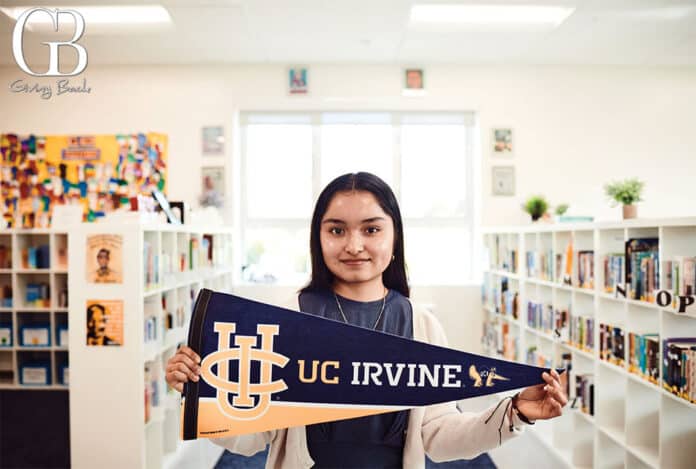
441, 431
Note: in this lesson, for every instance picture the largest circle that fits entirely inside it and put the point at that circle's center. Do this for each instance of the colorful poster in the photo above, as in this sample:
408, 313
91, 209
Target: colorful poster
104, 259
297, 81
265, 368
100, 173
104, 322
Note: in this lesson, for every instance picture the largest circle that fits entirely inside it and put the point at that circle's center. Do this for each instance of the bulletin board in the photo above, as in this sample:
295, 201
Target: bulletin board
101, 173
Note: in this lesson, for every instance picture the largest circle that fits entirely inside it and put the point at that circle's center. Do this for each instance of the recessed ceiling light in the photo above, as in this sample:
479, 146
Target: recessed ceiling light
493, 15
99, 15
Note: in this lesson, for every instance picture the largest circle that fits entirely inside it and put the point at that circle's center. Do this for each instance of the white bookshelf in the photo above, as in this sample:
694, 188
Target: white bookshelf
636, 424
16, 312
107, 403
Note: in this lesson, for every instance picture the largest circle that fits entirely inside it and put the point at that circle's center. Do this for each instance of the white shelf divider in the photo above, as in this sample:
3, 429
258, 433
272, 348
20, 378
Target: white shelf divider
107, 411
636, 423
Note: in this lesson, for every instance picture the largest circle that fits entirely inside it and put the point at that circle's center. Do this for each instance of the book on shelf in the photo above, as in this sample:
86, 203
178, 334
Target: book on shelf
680, 276
539, 265
582, 332
614, 271
678, 370
584, 393
567, 364
564, 265
36, 257
537, 358
505, 257
642, 268
5, 257
5, 334
612, 344
586, 269
548, 319
643, 355
6, 301
38, 295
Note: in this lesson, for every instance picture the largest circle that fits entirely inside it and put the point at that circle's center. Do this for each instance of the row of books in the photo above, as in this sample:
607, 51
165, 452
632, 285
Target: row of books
150, 264
152, 392
548, 319
586, 269
680, 275
501, 256
36, 257
6, 299
174, 319
564, 265
614, 271
612, 344
567, 365
679, 367
581, 333
505, 300
153, 327
540, 265
38, 295
642, 268
497, 337
5, 257
584, 393
537, 358
644, 355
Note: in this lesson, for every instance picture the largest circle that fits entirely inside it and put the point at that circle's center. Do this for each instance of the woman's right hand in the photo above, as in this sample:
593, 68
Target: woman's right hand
183, 367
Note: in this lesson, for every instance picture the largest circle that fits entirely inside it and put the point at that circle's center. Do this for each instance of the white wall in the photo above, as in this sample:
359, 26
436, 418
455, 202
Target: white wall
575, 127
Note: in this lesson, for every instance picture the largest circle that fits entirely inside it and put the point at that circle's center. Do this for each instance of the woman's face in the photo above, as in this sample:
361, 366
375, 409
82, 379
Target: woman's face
357, 237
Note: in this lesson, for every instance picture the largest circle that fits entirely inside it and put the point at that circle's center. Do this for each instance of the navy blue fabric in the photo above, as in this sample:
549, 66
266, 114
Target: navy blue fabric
304, 336
372, 441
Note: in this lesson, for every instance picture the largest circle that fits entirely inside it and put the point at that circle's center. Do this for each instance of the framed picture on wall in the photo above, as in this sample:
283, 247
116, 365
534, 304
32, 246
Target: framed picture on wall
213, 140
212, 186
298, 81
414, 82
503, 180
502, 142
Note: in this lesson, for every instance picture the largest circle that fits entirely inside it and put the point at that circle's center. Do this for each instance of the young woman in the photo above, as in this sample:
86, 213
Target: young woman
359, 277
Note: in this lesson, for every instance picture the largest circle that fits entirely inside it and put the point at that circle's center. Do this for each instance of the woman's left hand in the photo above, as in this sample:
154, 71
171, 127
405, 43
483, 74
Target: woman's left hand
544, 401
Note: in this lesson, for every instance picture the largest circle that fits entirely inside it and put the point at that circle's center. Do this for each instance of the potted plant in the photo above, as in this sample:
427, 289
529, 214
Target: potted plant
536, 206
561, 209
627, 193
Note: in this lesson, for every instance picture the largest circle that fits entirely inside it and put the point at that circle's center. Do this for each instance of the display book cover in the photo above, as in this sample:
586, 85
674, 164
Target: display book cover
265, 368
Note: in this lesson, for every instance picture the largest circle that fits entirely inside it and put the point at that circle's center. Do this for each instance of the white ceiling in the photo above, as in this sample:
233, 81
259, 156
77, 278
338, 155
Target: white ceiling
631, 32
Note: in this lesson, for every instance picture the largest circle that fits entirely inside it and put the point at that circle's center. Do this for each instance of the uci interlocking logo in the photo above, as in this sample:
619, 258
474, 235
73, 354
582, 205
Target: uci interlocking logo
242, 407
53, 46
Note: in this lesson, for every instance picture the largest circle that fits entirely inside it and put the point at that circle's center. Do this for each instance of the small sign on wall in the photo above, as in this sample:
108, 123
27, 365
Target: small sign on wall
213, 140
503, 180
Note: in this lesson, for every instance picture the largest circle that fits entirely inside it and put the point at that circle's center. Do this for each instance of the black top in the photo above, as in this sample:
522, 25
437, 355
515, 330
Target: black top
375, 441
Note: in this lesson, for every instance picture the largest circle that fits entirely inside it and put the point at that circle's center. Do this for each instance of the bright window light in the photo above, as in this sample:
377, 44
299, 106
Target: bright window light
123, 14
490, 14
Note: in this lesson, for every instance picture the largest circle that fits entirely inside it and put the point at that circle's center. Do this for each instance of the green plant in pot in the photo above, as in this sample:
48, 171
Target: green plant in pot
627, 193
561, 209
536, 206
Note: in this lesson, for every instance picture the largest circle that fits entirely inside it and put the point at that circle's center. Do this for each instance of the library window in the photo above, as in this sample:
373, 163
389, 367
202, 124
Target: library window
427, 159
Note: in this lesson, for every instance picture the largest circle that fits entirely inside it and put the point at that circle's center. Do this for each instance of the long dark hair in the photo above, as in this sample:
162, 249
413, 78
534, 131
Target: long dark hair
394, 277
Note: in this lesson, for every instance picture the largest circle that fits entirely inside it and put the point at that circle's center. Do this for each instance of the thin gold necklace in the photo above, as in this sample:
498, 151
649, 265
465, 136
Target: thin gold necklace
384, 301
